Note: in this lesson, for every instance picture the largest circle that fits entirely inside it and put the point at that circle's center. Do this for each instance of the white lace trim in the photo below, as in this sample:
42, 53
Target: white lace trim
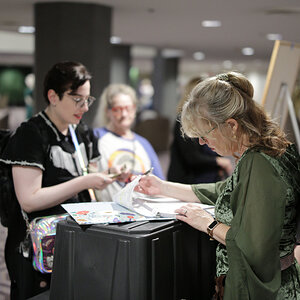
51, 126
22, 163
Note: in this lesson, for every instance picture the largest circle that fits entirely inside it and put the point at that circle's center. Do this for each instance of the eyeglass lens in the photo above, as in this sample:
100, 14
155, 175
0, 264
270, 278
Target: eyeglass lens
119, 109
80, 101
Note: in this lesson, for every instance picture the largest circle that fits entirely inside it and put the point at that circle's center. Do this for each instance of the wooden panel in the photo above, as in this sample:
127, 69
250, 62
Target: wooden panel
283, 68
280, 83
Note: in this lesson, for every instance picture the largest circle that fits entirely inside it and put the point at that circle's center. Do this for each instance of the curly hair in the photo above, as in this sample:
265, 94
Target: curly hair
230, 95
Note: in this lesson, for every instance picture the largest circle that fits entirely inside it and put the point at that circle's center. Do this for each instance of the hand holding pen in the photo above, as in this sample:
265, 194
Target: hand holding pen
150, 185
149, 171
120, 174
133, 176
127, 176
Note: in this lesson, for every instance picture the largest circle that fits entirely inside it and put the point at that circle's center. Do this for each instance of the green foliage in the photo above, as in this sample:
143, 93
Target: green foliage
12, 87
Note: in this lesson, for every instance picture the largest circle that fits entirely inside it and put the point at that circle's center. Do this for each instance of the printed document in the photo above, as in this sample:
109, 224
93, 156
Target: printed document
149, 206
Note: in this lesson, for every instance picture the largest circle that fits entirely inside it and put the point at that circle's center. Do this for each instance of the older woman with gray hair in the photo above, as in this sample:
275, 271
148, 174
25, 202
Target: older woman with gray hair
122, 150
256, 207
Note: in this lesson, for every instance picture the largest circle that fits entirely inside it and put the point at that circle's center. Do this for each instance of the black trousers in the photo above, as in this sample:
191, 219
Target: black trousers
26, 282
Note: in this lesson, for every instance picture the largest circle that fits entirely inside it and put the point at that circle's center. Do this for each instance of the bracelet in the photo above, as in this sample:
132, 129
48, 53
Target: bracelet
211, 227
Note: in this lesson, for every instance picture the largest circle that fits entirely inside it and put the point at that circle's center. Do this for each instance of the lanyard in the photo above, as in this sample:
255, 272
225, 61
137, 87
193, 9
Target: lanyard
81, 161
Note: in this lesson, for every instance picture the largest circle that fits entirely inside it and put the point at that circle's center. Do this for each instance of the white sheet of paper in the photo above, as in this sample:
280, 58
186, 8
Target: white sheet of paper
124, 196
150, 206
163, 208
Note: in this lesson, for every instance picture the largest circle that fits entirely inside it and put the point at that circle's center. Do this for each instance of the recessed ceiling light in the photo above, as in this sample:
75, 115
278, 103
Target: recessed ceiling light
26, 29
115, 40
227, 64
211, 23
199, 55
248, 51
274, 36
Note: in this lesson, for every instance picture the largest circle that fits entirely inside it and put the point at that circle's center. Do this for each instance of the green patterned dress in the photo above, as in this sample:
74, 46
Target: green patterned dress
258, 202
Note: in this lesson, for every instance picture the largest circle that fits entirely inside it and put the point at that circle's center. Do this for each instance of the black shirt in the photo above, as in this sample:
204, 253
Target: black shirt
191, 162
38, 143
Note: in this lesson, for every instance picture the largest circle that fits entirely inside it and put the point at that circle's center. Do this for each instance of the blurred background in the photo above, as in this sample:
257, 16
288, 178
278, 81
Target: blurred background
155, 46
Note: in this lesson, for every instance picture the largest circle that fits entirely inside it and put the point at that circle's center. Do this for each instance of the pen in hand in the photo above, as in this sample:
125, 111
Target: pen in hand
148, 172
115, 175
143, 174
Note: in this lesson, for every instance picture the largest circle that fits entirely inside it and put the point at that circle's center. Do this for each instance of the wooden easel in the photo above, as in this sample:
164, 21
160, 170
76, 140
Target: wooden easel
282, 74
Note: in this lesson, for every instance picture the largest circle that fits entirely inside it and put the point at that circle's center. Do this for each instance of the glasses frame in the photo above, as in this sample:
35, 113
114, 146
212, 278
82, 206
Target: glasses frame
119, 109
204, 138
80, 101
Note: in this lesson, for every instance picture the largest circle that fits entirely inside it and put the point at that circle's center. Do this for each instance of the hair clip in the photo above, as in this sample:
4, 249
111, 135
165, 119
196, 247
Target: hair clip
223, 77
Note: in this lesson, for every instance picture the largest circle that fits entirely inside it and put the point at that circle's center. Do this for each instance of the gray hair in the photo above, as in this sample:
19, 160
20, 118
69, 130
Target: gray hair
229, 95
107, 96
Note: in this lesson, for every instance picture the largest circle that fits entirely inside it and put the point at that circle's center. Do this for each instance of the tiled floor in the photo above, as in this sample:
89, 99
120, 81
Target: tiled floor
4, 280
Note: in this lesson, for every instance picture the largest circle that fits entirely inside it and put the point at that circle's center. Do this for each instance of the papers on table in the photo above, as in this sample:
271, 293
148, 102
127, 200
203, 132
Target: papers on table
100, 213
149, 206
127, 206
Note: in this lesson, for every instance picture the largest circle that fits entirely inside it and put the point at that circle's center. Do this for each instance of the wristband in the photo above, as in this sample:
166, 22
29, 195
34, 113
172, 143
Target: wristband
211, 227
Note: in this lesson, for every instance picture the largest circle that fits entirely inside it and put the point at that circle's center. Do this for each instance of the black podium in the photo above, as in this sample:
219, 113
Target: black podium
132, 261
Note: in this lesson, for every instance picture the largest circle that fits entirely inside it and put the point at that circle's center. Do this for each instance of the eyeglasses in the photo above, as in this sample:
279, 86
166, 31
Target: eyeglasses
81, 101
117, 110
203, 138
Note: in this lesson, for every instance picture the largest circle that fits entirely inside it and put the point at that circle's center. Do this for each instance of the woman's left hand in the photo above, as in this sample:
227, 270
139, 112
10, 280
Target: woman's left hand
195, 216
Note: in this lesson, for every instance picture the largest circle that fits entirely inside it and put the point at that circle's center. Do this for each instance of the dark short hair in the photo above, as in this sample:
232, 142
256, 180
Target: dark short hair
64, 76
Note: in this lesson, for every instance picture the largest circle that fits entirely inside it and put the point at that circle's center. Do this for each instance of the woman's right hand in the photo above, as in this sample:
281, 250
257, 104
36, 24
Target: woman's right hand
150, 185
98, 181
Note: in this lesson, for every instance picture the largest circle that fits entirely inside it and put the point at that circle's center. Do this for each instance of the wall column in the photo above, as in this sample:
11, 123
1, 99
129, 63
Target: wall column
77, 32
120, 64
165, 97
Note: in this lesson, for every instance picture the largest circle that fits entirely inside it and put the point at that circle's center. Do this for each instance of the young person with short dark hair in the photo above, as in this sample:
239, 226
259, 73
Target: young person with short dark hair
46, 168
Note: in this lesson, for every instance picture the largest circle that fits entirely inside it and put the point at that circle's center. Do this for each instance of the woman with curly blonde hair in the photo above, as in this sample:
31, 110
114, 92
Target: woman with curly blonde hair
255, 208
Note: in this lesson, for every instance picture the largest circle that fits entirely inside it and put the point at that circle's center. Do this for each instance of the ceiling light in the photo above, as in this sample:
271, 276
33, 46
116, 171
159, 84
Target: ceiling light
248, 51
211, 23
274, 36
115, 40
199, 55
26, 29
227, 64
